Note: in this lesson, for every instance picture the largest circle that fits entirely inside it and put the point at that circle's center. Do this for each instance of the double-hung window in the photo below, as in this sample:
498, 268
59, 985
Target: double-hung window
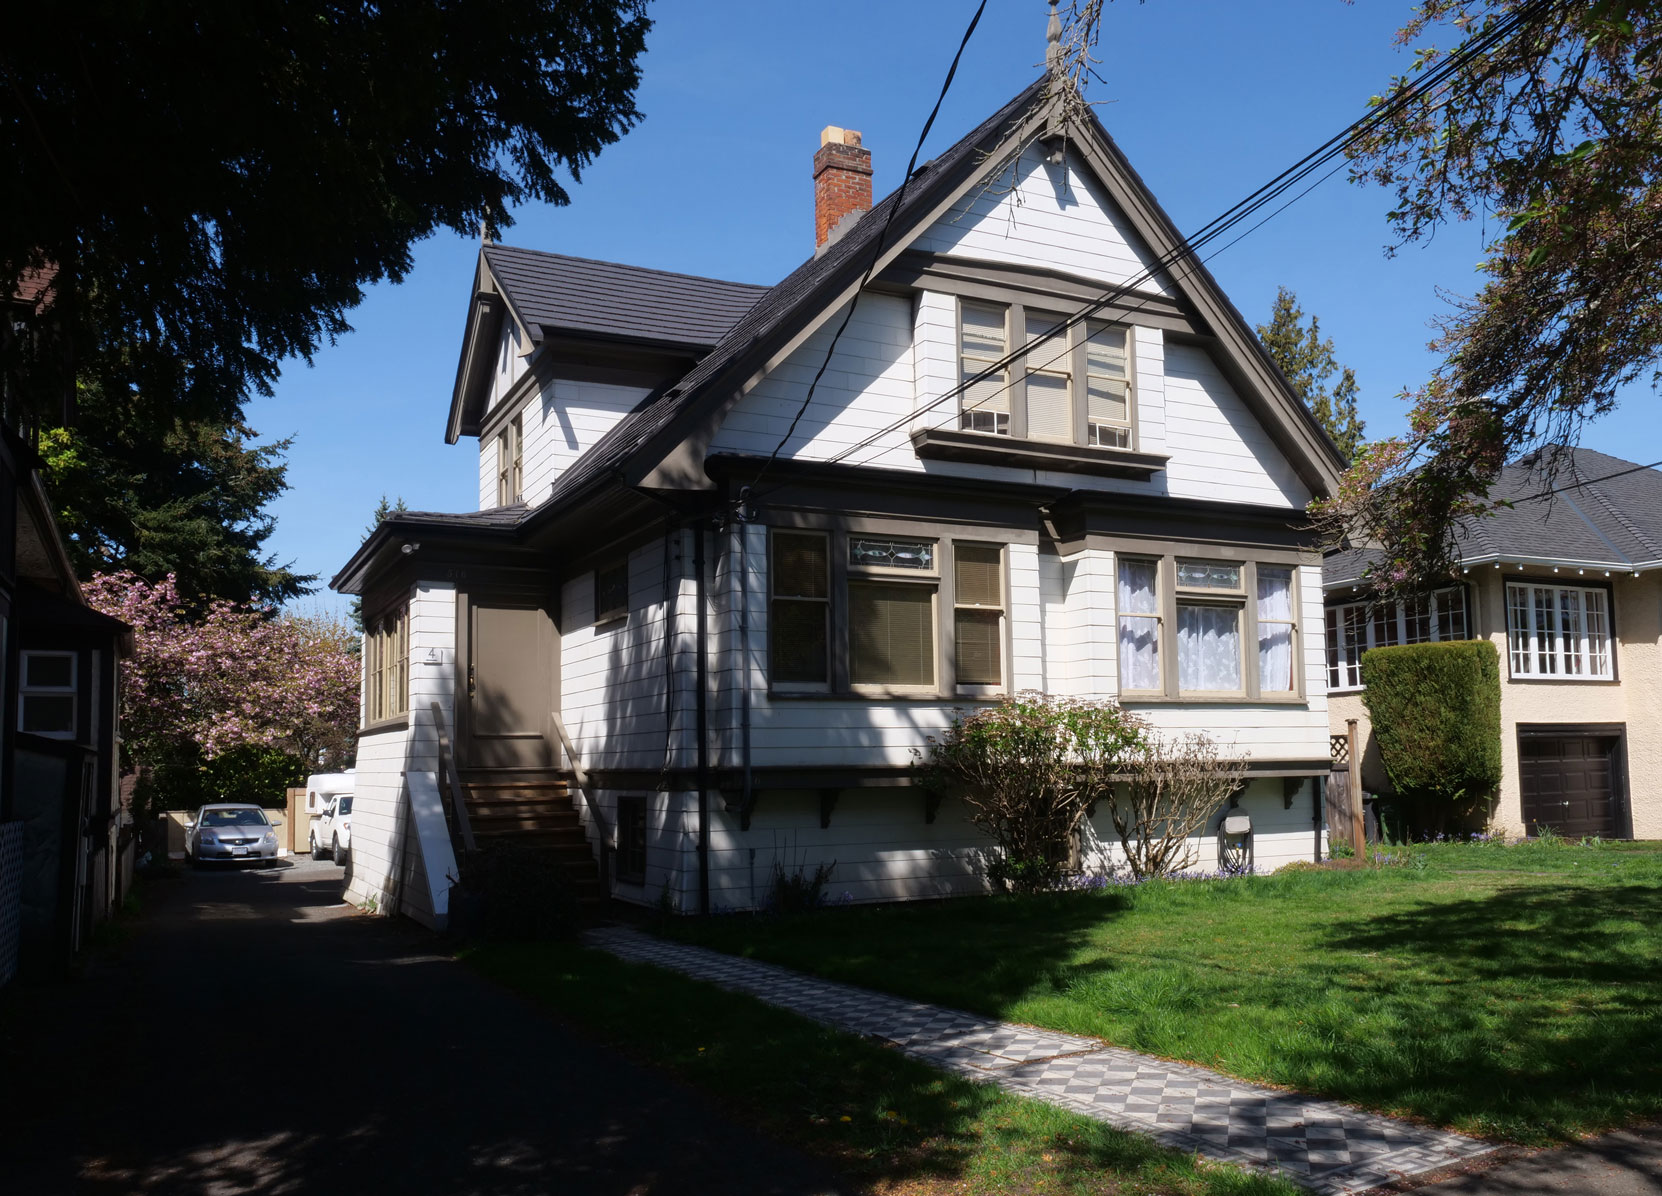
892, 588
799, 611
1559, 631
46, 699
1139, 625
1277, 630
1354, 627
978, 614
510, 463
1070, 385
387, 666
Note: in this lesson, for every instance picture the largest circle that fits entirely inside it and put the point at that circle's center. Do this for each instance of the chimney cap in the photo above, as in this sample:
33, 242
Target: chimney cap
832, 135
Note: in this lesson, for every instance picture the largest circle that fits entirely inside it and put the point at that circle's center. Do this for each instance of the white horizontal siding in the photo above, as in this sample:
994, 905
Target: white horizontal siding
1219, 451
563, 422
1037, 214
378, 822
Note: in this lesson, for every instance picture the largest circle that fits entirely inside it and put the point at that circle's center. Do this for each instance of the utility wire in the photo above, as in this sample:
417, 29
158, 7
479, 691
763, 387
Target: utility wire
1335, 146
877, 252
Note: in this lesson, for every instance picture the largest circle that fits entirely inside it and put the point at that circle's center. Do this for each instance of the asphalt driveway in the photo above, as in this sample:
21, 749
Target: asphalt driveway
254, 1035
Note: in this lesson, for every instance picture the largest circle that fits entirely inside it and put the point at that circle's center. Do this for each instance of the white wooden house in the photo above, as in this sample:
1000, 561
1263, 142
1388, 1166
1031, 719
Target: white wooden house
750, 612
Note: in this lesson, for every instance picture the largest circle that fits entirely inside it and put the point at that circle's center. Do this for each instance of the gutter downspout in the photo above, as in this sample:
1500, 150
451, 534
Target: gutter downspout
747, 797
703, 721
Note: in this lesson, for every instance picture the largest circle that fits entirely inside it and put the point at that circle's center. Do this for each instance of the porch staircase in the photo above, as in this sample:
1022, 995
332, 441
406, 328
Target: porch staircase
533, 808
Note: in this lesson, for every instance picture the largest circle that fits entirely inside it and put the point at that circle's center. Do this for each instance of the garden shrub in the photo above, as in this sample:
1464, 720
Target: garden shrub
1172, 788
1028, 769
1435, 710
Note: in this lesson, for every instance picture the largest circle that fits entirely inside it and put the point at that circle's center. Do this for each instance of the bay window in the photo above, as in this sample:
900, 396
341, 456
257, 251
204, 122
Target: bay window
891, 612
1187, 629
978, 613
1354, 627
799, 612
1558, 631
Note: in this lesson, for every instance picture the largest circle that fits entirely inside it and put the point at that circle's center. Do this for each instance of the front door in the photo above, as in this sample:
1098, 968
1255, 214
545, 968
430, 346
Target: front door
509, 686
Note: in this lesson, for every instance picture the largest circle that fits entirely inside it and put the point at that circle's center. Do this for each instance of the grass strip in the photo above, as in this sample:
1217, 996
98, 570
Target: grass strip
1508, 992
889, 1122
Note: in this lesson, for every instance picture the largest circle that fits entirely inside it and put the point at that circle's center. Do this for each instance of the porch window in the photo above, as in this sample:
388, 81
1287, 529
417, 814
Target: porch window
978, 613
47, 703
387, 666
1559, 631
799, 622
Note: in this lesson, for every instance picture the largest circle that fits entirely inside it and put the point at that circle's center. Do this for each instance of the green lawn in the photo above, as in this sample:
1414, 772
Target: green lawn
1511, 992
891, 1123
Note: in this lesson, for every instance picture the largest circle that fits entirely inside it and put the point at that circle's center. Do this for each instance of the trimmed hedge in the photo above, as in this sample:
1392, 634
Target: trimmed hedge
1435, 710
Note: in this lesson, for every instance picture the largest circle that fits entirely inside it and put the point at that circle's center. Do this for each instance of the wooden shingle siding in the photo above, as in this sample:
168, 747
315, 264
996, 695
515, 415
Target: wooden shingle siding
1052, 216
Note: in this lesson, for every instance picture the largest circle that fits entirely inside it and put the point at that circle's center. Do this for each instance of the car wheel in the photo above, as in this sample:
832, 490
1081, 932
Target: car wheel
334, 851
318, 853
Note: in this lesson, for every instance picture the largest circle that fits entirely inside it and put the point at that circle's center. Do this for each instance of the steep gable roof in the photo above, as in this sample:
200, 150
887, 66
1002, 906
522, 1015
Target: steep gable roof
650, 443
1599, 512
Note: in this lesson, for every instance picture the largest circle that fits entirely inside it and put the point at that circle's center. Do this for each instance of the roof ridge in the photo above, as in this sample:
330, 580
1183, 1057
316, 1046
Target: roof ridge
595, 261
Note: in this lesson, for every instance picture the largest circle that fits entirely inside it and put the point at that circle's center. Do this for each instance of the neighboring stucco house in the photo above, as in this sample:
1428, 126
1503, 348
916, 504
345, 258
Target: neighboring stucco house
1567, 583
749, 611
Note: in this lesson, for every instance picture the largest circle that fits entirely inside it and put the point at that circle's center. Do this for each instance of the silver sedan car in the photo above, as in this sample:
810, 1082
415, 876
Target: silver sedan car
230, 831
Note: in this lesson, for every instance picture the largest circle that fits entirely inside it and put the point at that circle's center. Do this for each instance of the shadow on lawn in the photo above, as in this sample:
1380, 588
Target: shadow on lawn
1529, 1013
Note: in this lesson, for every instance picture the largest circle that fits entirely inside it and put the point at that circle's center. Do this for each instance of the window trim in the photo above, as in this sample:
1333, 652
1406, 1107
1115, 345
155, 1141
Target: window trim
1169, 597
992, 689
1371, 610
829, 604
1608, 592
853, 574
26, 691
386, 660
612, 615
510, 462
1073, 363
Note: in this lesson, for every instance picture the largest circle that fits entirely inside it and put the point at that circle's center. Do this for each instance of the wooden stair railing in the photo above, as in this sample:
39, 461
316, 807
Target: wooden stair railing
450, 785
599, 819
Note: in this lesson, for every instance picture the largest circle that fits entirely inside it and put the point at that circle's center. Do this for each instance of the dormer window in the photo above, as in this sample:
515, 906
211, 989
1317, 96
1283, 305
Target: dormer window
510, 463
1038, 397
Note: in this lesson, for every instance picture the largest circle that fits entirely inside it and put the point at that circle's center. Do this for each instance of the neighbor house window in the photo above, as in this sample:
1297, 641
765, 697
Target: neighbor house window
1040, 395
978, 613
799, 617
631, 839
387, 666
46, 699
510, 463
1354, 627
892, 586
611, 592
1558, 631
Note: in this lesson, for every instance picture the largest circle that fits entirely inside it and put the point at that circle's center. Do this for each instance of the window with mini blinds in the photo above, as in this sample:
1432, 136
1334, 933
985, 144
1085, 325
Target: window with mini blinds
1074, 388
887, 631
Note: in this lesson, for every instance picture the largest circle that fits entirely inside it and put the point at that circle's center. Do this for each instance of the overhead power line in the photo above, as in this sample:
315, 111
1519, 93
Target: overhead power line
1220, 225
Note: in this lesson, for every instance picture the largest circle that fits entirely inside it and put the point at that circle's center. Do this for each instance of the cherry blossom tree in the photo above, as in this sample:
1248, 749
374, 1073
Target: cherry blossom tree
233, 679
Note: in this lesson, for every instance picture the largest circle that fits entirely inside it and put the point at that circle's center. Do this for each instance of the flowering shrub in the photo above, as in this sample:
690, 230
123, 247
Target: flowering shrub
233, 679
1173, 788
1028, 769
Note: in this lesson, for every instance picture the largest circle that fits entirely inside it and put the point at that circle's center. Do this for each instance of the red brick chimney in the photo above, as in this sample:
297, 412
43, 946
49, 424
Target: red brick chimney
842, 183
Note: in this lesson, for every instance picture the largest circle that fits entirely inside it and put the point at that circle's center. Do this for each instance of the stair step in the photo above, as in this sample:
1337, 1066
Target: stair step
531, 820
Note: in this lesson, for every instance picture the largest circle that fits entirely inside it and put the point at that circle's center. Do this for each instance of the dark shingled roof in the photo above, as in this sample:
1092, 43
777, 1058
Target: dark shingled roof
1592, 518
551, 292
506, 517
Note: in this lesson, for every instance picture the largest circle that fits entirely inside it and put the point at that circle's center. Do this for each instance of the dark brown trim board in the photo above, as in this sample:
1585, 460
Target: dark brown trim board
949, 444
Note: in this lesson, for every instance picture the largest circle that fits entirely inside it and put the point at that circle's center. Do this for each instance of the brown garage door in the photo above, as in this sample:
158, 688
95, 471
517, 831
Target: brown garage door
1569, 783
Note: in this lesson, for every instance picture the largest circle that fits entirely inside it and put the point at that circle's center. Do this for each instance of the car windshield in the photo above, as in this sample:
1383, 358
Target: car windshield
345, 806
233, 818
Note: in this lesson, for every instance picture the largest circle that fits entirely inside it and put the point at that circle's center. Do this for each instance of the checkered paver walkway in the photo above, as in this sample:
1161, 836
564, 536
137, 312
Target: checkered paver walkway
1327, 1147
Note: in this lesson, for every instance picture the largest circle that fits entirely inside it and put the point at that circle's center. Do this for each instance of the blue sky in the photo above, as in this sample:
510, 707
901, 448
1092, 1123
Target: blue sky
1208, 98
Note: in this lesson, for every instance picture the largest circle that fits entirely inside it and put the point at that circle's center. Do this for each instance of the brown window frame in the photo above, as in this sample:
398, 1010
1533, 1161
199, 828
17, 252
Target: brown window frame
387, 665
826, 603
617, 611
510, 462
